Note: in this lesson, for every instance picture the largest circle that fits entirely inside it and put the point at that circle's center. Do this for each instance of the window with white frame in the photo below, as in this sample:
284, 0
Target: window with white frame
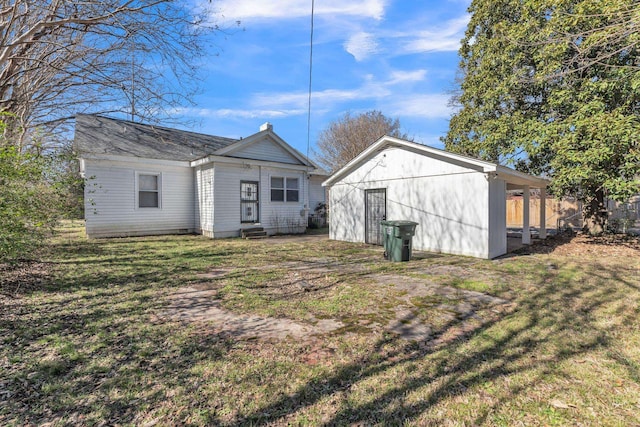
285, 189
148, 190
292, 190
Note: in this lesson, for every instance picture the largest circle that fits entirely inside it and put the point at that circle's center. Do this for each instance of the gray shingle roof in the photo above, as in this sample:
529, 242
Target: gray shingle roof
102, 135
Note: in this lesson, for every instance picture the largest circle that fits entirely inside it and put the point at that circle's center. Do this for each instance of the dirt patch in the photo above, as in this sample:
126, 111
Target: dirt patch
190, 305
23, 277
457, 272
615, 245
432, 312
294, 238
418, 310
215, 273
325, 266
298, 284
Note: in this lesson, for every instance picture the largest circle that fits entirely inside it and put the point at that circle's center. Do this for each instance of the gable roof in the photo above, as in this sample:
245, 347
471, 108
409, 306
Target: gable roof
267, 134
511, 176
102, 135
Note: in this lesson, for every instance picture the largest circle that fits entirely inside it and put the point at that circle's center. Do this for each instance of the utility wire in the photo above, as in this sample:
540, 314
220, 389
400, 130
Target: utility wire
310, 76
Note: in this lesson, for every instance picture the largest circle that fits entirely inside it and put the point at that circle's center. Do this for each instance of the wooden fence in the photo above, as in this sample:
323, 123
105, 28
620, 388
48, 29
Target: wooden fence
565, 212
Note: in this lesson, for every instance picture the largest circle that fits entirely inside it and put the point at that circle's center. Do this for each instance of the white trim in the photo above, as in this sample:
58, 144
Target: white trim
515, 177
256, 137
128, 159
509, 175
136, 205
526, 223
238, 161
284, 189
82, 168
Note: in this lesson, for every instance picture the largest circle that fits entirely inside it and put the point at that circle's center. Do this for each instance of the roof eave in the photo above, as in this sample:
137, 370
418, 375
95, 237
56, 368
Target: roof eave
259, 135
510, 175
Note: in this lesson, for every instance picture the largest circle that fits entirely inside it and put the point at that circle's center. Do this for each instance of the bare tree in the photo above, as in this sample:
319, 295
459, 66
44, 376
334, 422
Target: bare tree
349, 135
60, 57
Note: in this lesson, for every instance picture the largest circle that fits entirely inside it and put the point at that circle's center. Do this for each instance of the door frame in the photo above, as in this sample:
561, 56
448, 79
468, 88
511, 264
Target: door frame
379, 236
248, 201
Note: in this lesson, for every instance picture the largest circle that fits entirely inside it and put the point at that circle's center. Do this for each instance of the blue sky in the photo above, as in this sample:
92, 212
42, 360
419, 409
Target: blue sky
396, 56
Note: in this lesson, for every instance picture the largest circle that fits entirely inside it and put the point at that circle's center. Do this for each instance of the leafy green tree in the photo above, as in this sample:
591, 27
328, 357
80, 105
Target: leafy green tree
37, 189
552, 87
26, 212
349, 135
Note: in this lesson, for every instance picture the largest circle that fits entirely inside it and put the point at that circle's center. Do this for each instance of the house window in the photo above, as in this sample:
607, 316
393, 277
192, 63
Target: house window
285, 189
292, 190
148, 190
277, 189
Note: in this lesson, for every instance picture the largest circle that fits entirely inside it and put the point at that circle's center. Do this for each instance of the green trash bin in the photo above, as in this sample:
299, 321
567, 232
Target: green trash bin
397, 239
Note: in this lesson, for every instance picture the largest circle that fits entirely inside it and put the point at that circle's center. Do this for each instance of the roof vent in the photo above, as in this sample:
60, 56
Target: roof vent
266, 126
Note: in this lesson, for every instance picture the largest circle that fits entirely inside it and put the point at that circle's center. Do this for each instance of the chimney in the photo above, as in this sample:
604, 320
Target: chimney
266, 126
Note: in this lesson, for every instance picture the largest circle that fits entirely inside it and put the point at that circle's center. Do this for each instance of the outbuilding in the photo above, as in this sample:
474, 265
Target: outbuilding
459, 202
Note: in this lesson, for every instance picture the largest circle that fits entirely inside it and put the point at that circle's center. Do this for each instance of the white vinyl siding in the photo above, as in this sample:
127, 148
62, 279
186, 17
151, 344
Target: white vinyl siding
265, 149
450, 202
204, 203
227, 178
111, 198
275, 217
316, 191
497, 217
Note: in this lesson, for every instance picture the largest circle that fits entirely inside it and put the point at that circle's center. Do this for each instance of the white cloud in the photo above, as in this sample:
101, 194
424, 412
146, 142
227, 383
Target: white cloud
287, 9
238, 113
287, 104
428, 106
294, 101
401, 104
442, 39
361, 45
439, 38
400, 76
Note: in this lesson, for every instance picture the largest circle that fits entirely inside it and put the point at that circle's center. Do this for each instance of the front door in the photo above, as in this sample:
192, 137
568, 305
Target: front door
249, 202
375, 208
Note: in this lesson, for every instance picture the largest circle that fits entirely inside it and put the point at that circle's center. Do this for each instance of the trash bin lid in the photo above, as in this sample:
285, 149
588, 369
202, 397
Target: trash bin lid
398, 223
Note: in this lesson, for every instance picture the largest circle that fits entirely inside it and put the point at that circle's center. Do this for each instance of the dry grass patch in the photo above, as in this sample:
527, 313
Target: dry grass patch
86, 345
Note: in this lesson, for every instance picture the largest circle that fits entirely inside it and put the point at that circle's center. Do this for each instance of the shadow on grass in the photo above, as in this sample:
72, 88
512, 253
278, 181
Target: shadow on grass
552, 319
86, 348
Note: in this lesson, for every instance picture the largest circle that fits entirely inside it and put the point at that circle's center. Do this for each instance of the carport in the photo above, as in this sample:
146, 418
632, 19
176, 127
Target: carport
526, 183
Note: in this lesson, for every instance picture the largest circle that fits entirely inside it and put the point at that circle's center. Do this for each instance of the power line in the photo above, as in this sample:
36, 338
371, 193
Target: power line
310, 80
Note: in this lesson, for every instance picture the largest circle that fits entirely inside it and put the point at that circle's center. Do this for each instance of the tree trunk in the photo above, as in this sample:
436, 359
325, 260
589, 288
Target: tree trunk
595, 214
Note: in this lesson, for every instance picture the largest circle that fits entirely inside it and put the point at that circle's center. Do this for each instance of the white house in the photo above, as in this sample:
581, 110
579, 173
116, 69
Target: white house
459, 202
142, 180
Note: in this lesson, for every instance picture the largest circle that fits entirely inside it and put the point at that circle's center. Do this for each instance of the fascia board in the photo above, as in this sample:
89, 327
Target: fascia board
257, 137
130, 159
241, 161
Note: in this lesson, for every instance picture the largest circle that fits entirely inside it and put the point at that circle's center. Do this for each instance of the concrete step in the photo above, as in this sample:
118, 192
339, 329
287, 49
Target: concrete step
253, 237
253, 233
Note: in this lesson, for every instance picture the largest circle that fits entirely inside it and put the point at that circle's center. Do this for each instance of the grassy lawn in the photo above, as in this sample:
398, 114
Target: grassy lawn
83, 338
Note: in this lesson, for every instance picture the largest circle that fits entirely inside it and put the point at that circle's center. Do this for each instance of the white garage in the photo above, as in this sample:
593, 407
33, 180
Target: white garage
458, 201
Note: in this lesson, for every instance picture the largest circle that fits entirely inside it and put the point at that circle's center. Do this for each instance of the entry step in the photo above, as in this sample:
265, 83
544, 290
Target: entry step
253, 233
